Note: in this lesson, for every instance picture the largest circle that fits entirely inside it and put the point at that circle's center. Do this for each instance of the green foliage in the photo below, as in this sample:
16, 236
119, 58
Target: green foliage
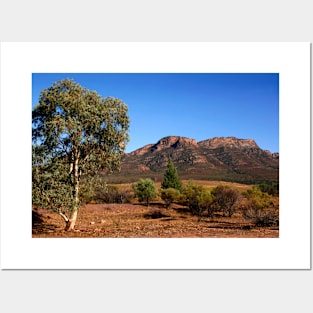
258, 199
145, 190
71, 121
51, 187
171, 179
76, 134
198, 199
91, 187
169, 195
225, 199
257, 208
270, 188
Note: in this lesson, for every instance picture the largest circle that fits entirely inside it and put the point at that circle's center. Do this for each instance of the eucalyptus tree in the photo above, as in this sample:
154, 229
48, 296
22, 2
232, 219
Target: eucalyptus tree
76, 134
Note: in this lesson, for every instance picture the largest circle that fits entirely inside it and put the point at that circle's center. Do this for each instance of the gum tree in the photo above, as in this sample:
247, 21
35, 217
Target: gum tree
76, 134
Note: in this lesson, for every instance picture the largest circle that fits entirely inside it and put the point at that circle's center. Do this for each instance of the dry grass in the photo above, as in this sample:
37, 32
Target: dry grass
138, 221
206, 183
212, 184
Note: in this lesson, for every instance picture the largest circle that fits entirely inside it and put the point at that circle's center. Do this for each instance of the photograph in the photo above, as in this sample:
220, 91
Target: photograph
169, 156
155, 155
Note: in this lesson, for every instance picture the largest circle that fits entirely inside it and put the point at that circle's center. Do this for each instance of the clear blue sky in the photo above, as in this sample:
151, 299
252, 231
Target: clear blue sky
198, 106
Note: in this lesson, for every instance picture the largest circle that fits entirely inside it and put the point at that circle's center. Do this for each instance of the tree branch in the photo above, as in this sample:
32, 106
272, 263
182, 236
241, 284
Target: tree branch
64, 216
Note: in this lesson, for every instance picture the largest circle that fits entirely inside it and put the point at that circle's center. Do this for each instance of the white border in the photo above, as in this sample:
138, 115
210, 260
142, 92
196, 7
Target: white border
290, 251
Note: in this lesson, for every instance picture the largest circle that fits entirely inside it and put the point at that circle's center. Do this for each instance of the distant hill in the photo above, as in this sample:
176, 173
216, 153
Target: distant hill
219, 158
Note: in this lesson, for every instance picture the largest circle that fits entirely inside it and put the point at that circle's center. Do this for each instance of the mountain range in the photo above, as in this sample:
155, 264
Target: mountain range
218, 158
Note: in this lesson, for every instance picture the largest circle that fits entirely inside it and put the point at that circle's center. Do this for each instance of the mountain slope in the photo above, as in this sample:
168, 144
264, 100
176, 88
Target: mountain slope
219, 158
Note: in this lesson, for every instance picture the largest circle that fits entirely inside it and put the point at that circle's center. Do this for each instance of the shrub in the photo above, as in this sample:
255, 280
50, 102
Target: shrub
145, 190
198, 199
113, 195
224, 199
261, 218
257, 208
272, 188
169, 195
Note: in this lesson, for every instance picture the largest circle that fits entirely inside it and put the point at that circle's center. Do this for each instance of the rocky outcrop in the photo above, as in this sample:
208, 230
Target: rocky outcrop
223, 158
166, 142
233, 142
142, 150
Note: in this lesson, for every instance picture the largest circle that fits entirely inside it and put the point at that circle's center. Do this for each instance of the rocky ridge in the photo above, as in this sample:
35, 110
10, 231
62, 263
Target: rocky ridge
221, 158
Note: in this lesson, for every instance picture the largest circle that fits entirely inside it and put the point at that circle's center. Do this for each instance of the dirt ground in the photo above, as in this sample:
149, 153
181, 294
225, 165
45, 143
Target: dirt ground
138, 221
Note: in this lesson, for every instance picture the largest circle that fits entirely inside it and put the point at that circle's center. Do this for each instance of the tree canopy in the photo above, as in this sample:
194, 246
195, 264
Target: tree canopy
76, 133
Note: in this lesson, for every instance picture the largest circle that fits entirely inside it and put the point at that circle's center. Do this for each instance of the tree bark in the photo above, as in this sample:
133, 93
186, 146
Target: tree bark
70, 225
66, 219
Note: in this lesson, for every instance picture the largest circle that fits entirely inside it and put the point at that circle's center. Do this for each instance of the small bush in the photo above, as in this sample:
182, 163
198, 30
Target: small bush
257, 208
145, 190
261, 218
225, 199
272, 188
169, 195
113, 195
198, 199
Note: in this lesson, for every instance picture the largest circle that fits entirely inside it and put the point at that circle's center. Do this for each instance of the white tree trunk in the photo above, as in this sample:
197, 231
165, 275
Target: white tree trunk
66, 219
70, 225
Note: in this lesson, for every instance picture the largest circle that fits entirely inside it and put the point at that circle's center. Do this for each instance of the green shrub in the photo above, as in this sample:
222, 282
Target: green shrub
169, 195
257, 208
198, 199
270, 188
145, 190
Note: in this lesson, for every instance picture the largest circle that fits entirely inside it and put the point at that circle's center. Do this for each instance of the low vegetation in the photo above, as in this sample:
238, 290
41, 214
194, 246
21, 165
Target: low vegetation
113, 194
198, 211
259, 208
145, 190
170, 195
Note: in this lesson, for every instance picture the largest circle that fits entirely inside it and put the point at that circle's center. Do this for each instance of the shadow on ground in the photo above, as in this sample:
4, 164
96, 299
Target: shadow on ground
155, 214
39, 225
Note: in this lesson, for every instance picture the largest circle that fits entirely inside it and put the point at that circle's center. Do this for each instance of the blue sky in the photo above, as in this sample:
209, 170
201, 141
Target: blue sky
194, 105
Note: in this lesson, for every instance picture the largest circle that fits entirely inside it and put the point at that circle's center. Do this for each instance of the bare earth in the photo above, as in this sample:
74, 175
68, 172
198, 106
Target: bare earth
138, 221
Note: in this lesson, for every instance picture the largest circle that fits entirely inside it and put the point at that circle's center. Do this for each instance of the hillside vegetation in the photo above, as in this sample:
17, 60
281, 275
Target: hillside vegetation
218, 159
